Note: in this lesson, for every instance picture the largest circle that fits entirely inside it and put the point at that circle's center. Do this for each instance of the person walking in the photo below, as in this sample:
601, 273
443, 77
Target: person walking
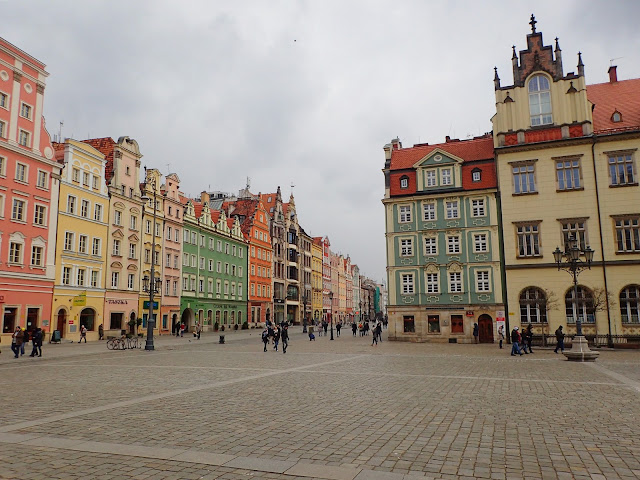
325, 325
276, 338
182, 329
100, 332
83, 334
285, 338
265, 338
354, 328
501, 334
378, 331
25, 340
16, 341
515, 341
36, 339
338, 327
199, 330
527, 338
475, 332
559, 339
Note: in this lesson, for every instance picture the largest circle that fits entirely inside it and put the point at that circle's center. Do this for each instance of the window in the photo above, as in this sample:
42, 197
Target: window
186, 236
194, 238
84, 208
71, 204
3, 130
253, 252
94, 279
3, 166
433, 285
66, 275
539, 101
21, 172
4, 100
147, 227
132, 251
68, 241
218, 286
477, 208
453, 244
407, 284
43, 179
95, 249
97, 212
433, 323
575, 229
185, 259
81, 272
628, 234
476, 175
452, 209
630, 304
431, 178
455, 282
568, 174
524, 179
446, 176
40, 215
219, 267
219, 246
36, 256
482, 281
115, 279
15, 252
19, 209
25, 111
133, 222
404, 182
75, 175
533, 306
193, 261
201, 263
82, 244
233, 250
480, 242
94, 181
202, 242
168, 260
582, 305
169, 232
116, 247
406, 247
175, 288
408, 324
177, 235
185, 283
226, 248
621, 170
428, 211
430, 246
226, 268
528, 240
24, 138
201, 286
117, 217
85, 179
405, 213
175, 261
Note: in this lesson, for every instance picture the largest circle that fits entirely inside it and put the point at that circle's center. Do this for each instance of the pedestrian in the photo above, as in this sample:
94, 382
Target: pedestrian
36, 339
100, 332
354, 328
182, 329
285, 338
16, 341
265, 337
324, 327
375, 337
338, 327
515, 340
527, 338
366, 328
276, 338
83, 334
559, 339
176, 329
475, 333
378, 331
25, 340
501, 334
199, 330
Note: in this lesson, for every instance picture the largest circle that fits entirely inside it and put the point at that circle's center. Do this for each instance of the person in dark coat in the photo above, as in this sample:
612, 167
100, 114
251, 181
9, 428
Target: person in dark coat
354, 328
527, 338
378, 331
100, 332
515, 342
276, 338
16, 341
25, 341
338, 327
265, 338
475, 332
36, 339
285, 338
559, 339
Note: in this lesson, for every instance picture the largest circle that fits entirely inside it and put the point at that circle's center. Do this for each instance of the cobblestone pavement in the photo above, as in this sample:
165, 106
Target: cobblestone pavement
327, 410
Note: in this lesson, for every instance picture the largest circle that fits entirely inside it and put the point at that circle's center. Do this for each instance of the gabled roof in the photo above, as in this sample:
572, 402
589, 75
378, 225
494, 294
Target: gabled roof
245, 208
480, 148
622, 96
197, 208
269, 205
105, 146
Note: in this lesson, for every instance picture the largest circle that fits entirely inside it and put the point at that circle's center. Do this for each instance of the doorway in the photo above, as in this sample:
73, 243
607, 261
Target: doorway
62, 322
485, 329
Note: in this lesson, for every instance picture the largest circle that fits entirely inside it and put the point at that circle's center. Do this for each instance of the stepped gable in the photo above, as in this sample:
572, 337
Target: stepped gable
105, 146
615, 96
269, 205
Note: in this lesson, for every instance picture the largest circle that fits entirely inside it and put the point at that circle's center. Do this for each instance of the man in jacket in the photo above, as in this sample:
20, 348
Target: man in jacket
559, 339
515, 341
16, 341
36, 339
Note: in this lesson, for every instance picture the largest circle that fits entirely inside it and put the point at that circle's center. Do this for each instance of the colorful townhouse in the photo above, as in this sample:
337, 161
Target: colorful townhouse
316, 278
124, 238
171, 253
214, 268
566, 155
306, 273
277, 225
356, 297
81, 253
443, 250
327, 307
29, 186
253, 216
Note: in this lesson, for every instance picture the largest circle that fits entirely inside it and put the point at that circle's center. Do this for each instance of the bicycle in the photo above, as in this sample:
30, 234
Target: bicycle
116, 343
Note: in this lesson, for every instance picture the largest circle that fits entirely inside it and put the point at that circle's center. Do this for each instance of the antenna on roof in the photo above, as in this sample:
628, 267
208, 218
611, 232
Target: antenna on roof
60, 132
168, 168
612, 59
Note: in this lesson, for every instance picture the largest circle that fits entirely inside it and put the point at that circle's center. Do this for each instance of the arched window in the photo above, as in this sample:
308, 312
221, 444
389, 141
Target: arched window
582, 306
630, 304
540, 101
533, 306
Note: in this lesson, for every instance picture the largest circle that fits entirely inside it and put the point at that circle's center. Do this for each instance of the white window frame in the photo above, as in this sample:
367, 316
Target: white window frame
406, 247
455, 282
452, 209
478, 207
41, 219
96, 244
24, 138
405, 214
446, 176
430, 246
453, 244
483, 282
429, 211
116, 248
407, 284
433, 282
42, 180
431, 178
480, 243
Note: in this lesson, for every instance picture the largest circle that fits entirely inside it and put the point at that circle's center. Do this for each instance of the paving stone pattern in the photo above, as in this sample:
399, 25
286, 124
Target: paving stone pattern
327, 410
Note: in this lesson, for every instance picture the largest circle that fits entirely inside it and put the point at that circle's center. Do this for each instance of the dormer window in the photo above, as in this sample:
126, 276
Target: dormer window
404, 182
616, 117
540, 101
476, 174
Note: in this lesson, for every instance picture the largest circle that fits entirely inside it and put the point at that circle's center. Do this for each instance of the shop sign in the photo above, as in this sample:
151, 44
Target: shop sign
71, 322
80, 300
145, 304
116, 302
500, 316
469, 313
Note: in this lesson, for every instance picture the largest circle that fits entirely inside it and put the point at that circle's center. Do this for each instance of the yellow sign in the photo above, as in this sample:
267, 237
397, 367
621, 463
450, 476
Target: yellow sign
80, 300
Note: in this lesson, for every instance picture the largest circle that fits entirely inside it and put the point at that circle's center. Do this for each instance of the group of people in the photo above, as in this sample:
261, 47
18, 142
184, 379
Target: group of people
20, 338
274, 333
525, 338
377, 333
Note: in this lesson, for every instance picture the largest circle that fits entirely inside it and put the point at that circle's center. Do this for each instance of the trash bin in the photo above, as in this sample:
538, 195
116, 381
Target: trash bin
221, 339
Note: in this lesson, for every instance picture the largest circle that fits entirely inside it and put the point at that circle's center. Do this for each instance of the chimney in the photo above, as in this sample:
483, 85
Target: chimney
447, 139
613, 75
204, 197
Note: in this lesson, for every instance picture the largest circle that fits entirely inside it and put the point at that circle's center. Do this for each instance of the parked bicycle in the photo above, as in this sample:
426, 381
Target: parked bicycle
124, 343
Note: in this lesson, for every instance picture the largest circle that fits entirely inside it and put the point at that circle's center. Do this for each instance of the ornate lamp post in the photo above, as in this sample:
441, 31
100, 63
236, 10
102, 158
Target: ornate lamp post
151, 285
574, 264
331, 313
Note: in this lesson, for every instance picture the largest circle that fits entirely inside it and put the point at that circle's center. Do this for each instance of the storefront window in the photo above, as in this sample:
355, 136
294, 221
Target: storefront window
433, 323
409, 324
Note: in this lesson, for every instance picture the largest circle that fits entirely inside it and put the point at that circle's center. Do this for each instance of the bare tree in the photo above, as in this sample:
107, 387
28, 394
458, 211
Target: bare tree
602, 299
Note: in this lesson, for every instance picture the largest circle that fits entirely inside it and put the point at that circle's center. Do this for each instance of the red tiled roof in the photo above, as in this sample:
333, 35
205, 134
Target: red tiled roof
230, 222
197, 207
317, 240
58, 149
623, 96
268, 205
480, 148
215, 216
245, 208
105, 146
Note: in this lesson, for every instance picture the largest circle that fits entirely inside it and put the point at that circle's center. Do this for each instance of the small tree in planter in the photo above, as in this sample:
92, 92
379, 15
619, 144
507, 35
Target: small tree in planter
132, 324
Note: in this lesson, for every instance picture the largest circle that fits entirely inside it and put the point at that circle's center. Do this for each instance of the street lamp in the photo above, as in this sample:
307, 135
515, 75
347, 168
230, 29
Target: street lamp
331, 313
574, 264
151, 285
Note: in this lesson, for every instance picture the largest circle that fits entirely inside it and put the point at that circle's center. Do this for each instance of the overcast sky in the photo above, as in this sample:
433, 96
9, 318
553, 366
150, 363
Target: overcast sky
298, 92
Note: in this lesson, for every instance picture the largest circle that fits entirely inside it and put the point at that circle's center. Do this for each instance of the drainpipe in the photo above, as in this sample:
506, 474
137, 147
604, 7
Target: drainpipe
604, 263
503, 271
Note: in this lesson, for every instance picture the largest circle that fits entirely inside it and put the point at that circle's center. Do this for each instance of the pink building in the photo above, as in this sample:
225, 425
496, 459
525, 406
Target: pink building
172, 252
29, 185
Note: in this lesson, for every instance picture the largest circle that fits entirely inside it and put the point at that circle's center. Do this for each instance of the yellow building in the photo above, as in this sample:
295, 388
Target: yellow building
79, 290
316, 278
566, 166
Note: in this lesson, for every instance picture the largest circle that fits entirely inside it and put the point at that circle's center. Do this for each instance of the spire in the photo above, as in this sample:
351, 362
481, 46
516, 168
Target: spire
580, 65
558, 52
533, 23
496, 78
516, 70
